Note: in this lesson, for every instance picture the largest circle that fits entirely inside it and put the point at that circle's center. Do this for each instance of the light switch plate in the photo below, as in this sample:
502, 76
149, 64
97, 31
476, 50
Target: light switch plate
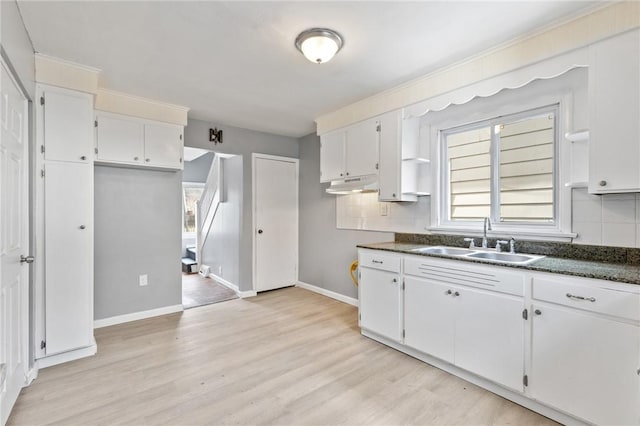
143, 280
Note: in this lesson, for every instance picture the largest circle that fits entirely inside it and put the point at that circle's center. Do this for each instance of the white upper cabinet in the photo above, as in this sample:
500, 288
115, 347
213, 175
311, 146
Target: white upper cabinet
332, 156
132, 141
67, 120
350, 152
614, 114
119, 140
362, 149
403, 170
163, 145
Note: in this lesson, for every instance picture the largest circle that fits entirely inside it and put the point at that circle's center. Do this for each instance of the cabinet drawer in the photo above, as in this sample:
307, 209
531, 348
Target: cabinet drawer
590, 296
380, 261
462, 273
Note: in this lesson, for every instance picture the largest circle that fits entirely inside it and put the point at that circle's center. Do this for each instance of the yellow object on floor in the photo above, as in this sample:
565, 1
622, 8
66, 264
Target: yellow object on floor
352, 269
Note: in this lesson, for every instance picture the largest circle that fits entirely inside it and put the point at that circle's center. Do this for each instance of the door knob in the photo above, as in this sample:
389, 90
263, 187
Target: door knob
26, 259
259, 231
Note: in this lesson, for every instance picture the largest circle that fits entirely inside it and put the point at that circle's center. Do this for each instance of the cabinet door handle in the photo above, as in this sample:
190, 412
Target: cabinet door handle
573, 296
84, 157
537, 312
147, 159
135, 158
377, 261
395, 280
82, 227
456, 294
341, 174
448, 292
602, 183
347, 173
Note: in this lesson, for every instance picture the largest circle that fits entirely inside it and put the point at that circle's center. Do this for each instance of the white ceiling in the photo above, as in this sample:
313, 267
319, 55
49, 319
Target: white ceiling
235, 62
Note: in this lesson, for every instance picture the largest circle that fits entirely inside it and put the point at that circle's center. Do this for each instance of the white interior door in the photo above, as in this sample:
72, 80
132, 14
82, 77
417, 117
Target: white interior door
14, 242
275, 191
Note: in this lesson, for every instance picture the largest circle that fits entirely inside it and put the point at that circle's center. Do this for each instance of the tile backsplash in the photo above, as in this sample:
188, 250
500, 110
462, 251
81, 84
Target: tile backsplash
608, 220
602, 220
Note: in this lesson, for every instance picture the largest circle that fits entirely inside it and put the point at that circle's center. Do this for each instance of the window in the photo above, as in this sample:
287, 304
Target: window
191, 193
502, 168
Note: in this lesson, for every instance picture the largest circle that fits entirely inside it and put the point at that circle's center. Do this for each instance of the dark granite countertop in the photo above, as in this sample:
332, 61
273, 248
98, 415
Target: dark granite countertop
619, 272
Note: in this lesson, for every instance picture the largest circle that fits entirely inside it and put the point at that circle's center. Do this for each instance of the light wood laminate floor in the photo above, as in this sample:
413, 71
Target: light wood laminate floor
287, 357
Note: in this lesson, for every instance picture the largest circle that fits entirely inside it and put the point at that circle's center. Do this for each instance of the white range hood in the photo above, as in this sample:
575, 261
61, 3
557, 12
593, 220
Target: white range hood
354, 185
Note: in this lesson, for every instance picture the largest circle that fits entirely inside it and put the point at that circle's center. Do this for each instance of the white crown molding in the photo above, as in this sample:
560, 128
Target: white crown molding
588, 28
126, 104
69, 75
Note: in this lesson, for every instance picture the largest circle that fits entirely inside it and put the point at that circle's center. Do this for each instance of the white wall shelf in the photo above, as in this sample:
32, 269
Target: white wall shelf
418, 160
576, 185
577, 136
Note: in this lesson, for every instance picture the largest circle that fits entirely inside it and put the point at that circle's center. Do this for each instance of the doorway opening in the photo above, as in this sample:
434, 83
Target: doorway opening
211, 212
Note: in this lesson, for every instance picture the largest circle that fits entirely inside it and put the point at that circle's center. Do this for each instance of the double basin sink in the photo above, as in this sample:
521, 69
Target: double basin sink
480, 254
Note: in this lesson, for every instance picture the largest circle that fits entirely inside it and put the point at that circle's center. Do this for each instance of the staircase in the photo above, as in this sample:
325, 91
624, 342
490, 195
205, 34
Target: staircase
207, 207
189, 263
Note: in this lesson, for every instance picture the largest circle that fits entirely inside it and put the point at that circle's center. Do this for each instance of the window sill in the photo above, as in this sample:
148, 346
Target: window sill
522, 234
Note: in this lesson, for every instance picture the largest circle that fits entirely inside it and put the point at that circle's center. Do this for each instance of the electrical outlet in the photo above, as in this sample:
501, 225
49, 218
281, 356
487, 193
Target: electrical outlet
384, 209
143, 280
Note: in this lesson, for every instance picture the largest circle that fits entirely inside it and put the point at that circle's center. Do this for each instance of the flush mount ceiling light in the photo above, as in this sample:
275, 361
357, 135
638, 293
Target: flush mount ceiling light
319, 45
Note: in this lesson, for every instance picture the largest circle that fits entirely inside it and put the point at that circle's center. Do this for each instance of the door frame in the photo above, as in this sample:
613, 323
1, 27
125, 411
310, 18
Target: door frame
254, 228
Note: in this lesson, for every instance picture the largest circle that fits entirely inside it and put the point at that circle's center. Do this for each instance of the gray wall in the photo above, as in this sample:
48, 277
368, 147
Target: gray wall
197, 170
242, 142
137, 231
222, 249
325, 252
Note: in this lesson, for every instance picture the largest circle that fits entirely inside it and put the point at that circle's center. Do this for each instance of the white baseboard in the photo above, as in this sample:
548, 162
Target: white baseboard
67, 356
32, 374
119, 319
328, 293
232, 286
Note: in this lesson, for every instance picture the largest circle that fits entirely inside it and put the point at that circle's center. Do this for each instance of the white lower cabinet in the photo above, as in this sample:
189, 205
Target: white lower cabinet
567, 347
380, 302
380, 294
585, 363
490, 336
479, 331
429, 317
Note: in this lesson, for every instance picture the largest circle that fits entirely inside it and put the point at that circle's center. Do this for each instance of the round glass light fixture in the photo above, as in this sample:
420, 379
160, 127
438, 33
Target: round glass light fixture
319, 45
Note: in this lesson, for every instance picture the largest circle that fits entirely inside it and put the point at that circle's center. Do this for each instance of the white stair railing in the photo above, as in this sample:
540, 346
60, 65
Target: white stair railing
207, 207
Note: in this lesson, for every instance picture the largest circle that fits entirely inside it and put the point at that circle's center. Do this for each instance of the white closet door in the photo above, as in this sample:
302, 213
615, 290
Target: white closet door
68, 126
69, 256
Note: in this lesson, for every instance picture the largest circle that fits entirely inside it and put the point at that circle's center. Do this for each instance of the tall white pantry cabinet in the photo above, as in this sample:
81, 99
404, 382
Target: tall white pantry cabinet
64, 225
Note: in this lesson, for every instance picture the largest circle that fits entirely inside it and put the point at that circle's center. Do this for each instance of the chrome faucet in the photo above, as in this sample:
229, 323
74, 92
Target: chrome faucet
487, 226
512, 245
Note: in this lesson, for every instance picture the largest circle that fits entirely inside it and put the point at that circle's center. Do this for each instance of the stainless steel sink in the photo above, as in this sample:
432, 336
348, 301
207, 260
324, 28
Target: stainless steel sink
481, 254
519, 259
451, 251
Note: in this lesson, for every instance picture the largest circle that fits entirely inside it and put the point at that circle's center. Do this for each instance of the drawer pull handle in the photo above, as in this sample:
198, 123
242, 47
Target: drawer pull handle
573, 296
377, 261
456, 294
448, 292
